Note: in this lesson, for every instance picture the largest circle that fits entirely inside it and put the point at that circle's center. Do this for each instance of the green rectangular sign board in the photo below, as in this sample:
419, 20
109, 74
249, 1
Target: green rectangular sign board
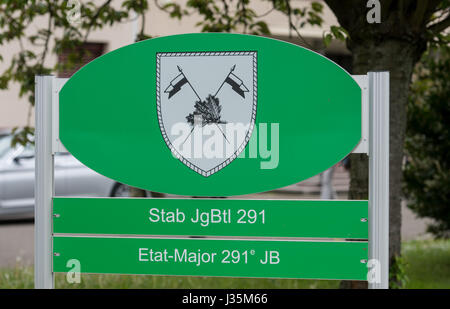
211, 217
213, 257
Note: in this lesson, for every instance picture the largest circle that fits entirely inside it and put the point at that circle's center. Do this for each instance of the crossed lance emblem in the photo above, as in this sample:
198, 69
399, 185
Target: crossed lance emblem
207, 110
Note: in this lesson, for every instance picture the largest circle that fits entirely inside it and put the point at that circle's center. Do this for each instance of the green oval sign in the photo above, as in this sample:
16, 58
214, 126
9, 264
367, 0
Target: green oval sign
210, 114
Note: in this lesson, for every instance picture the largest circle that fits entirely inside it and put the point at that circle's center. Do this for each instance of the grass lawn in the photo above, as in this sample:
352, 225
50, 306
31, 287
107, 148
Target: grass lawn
427, 266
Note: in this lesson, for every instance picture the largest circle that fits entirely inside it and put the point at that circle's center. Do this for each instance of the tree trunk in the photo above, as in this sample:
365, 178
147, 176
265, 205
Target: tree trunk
395, 45
397, 57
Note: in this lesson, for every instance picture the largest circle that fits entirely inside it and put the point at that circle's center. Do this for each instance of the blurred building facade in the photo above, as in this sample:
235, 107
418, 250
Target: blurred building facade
15, 111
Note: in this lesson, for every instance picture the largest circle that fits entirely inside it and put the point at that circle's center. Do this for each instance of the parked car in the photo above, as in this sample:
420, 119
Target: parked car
72, 178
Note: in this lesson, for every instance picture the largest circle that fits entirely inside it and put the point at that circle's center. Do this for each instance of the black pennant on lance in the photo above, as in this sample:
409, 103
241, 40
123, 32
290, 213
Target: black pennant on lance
236, 83
175, 84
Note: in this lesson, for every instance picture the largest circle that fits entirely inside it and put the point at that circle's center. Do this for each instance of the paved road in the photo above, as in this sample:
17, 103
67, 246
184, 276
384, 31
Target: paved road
16, 243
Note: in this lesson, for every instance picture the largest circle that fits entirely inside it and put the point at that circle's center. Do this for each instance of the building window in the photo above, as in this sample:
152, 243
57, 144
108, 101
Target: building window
89, 51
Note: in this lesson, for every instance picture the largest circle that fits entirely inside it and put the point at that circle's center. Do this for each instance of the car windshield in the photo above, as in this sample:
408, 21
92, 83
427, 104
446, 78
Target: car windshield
5, 144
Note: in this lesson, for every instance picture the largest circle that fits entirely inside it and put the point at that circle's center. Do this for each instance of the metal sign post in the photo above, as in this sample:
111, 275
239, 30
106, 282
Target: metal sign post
379, 176
44, 184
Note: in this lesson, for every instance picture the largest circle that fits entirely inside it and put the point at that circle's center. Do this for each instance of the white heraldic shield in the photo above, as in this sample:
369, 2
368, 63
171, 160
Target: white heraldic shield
206, 104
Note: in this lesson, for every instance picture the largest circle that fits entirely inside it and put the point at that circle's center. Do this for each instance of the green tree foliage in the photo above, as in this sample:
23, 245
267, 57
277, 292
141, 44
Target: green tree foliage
427, 172
19, 26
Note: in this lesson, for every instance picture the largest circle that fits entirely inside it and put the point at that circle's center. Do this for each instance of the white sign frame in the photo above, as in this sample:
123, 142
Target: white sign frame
374, 143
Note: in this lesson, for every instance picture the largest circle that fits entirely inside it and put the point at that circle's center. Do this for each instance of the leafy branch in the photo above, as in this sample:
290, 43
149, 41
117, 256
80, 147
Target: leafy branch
209, 110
